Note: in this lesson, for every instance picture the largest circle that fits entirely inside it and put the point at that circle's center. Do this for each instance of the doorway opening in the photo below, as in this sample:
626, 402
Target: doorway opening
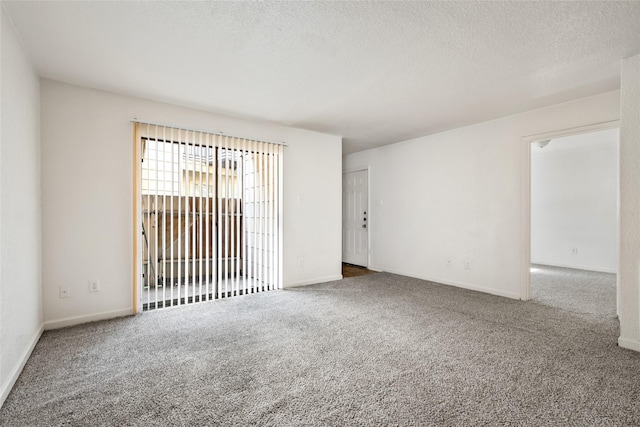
355, 218
573, 220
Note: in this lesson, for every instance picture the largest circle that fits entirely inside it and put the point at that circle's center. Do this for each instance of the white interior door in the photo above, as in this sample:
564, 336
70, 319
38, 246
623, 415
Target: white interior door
355, 227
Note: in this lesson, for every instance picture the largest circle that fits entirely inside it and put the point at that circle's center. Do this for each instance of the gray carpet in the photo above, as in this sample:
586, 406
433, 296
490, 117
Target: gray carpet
577, 291
379, 349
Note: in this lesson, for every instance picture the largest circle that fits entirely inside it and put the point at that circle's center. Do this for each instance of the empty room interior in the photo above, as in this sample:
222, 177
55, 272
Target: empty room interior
319, 213
574, 222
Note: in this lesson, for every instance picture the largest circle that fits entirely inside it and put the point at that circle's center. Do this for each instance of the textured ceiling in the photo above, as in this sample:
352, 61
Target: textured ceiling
374, 73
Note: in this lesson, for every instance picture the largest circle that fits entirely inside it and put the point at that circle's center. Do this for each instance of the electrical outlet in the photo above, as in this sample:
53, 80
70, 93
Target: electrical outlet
467, 264
94, 285
448, 262
65, 292
574, 251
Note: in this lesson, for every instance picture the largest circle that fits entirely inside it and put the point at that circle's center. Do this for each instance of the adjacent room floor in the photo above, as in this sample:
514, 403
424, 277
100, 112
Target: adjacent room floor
576, 291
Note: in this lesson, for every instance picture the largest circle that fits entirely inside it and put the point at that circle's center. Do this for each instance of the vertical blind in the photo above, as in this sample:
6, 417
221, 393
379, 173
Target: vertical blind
208, 216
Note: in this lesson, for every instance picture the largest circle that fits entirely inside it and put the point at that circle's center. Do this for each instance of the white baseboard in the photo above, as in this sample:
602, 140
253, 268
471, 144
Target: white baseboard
77, 320
577, 267
314, 281
629, 344
512, 295
13, 377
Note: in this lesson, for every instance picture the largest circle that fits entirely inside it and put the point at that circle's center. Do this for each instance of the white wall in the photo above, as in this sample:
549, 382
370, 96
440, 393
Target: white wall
20, 290
628, 273
87, 173
574, 203
458, 194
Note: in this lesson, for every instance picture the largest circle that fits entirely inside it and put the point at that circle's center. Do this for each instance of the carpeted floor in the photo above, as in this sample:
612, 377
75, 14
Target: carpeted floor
577, 291
379, 349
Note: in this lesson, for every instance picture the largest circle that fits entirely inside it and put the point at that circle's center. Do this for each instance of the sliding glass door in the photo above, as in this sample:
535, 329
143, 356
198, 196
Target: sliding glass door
208, 216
